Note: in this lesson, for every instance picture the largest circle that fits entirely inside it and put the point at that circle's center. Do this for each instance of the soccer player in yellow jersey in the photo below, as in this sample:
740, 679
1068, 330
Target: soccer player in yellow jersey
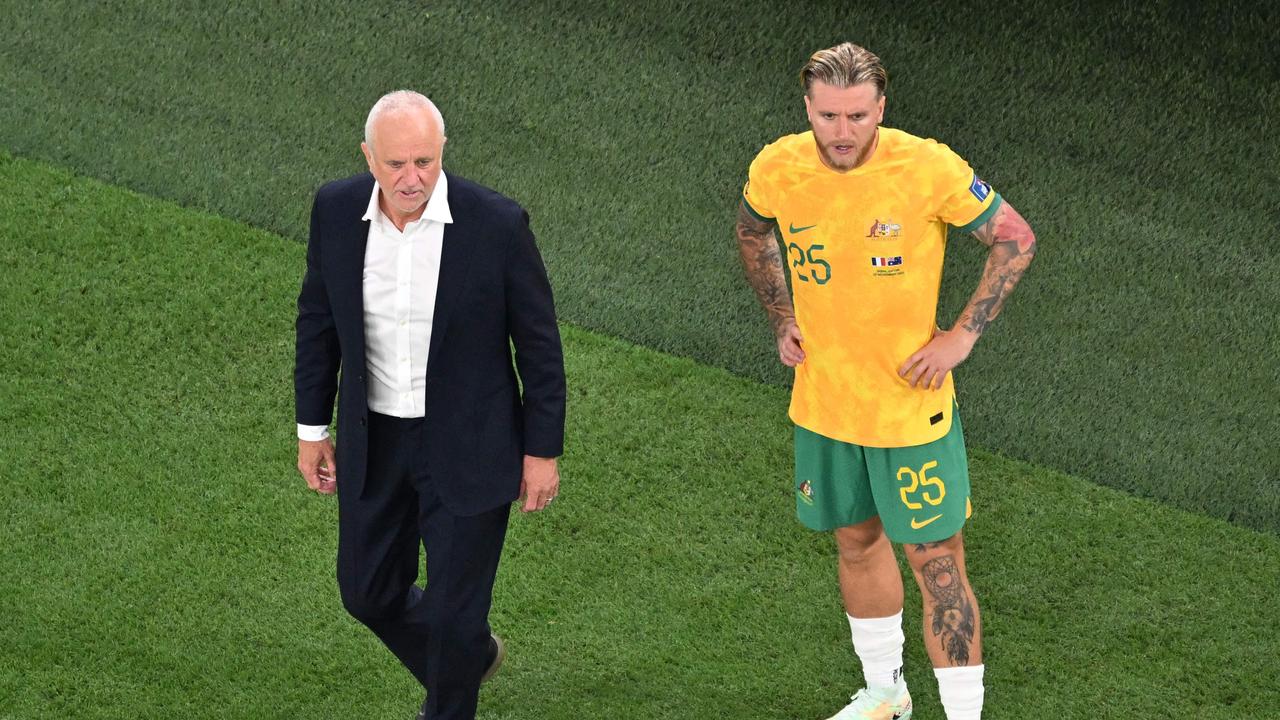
861, 214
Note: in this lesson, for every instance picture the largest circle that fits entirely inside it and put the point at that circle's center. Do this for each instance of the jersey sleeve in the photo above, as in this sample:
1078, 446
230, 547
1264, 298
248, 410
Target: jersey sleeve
757, 194
965, 200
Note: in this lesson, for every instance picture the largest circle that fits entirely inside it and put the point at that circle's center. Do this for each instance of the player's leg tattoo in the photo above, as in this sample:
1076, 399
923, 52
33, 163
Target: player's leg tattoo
926, 547
953, 617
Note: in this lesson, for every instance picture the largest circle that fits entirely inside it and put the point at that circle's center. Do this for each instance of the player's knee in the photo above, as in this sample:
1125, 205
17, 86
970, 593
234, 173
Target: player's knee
857, 542
920, 553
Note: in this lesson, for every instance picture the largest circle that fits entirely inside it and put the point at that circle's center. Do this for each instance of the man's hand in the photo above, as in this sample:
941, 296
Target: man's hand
790, 343
539, 484
318, 466
928, 367
1013, 246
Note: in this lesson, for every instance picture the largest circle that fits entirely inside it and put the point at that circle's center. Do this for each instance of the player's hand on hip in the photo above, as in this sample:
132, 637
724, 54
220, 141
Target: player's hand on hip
790, 344
927, 369
539, 483
318, 465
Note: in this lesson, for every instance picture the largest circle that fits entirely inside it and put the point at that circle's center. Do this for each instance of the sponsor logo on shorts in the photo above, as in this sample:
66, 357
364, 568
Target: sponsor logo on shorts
806, 492
917, 524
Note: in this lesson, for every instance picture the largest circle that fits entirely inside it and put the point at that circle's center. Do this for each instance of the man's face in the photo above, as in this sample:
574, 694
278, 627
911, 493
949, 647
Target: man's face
844, 122
404, 157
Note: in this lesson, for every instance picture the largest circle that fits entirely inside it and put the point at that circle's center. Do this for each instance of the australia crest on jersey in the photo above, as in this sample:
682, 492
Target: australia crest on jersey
886, 229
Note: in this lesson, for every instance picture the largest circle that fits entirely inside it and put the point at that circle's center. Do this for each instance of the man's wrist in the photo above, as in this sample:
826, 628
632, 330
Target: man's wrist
964, 334
780, 323
313, 433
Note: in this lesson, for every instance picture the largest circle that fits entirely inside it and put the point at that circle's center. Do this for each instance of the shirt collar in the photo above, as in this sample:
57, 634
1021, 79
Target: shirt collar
437, 205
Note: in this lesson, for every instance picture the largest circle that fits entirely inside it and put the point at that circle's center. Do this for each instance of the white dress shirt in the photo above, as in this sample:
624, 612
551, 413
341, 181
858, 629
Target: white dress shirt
401, 273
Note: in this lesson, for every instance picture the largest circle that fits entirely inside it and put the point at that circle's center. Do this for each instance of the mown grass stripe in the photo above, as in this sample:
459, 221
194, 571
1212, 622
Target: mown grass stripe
626, 129
162, 558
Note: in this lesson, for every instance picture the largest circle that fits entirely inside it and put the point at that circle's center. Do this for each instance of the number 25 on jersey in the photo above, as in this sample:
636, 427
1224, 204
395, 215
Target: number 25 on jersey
808, 264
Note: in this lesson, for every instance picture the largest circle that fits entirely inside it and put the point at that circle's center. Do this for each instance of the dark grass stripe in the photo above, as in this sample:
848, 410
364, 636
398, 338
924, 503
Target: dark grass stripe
1135, 137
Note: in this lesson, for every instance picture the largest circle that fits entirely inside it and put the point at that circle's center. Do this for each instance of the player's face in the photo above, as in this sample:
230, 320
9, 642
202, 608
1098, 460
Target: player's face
405, 160
844, 122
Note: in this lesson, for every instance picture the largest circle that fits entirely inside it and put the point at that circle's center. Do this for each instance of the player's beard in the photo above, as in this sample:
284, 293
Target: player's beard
857, 155
847, 161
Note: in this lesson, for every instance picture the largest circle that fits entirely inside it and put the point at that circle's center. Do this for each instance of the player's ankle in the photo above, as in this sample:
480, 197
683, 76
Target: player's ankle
961, 691
878, 643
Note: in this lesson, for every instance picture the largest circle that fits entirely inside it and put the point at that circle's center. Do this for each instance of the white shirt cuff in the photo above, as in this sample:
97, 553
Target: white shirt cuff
312, 433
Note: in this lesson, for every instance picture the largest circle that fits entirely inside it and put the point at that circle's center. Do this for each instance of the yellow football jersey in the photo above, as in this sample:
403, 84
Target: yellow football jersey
865, 252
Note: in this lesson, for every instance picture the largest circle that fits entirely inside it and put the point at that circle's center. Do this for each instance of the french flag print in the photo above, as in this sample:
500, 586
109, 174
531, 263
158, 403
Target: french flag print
886, 261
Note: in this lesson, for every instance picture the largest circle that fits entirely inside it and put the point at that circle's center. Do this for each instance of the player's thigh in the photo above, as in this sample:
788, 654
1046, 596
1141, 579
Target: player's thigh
922, 492
831, 482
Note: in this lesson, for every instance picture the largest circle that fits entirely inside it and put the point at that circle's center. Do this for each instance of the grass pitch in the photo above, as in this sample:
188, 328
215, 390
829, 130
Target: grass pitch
1134, 137
162, 559
1137, 138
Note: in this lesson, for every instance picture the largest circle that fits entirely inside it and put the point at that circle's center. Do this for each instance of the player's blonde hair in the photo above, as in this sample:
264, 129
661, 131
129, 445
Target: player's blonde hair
842, 66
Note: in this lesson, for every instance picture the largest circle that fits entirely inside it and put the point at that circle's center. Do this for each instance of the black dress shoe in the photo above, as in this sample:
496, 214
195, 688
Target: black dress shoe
497, 653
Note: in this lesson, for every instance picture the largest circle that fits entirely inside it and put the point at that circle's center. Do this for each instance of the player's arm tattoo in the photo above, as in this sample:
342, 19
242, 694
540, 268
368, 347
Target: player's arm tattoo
1013, 246
953, 616
762, 259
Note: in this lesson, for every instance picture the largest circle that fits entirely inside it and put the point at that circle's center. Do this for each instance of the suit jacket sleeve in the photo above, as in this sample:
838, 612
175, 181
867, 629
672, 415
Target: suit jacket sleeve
539, 358
317, 355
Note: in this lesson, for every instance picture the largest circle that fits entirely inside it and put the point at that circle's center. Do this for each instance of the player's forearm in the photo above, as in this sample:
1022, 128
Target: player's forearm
1011, 254
762, 261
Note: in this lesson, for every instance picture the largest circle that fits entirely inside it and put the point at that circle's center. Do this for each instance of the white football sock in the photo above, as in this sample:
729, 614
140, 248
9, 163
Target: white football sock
878, 643
960, 689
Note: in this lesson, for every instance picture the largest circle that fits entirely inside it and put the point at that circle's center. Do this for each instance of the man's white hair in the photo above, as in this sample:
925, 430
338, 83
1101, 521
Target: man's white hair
400, 100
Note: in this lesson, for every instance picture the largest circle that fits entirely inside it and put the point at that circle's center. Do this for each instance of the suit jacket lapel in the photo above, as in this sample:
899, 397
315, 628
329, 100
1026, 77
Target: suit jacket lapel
351, 238
455, 265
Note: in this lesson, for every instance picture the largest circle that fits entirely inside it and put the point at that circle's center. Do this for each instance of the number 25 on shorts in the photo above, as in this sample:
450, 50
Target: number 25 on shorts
919, 481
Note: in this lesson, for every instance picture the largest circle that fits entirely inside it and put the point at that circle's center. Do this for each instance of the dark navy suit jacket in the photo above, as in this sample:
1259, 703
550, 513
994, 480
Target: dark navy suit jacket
493, 296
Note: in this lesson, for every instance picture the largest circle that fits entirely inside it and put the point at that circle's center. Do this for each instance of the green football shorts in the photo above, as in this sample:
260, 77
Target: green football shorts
921, 493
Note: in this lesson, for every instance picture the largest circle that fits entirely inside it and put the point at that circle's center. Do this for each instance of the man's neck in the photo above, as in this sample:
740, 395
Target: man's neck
398, 219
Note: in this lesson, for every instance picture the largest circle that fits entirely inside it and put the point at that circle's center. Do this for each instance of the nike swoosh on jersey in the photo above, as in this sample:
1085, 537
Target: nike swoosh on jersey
794, 230
916, 525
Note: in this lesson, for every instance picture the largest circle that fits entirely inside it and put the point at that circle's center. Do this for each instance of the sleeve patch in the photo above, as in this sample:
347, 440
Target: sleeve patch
979, 188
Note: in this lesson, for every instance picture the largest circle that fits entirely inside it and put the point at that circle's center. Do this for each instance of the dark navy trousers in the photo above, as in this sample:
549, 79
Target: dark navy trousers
441, 634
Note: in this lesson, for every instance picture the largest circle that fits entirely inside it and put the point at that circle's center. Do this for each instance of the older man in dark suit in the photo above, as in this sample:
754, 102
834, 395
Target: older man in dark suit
418, 285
